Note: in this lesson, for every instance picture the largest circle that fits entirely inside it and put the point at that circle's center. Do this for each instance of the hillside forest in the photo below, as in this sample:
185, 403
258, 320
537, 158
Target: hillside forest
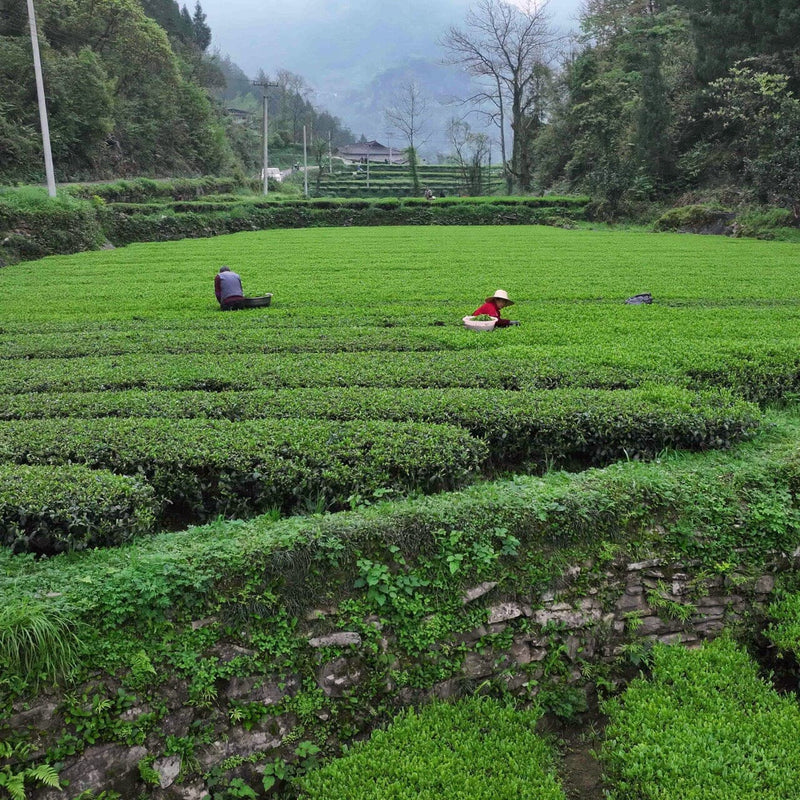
651, 100
133, 91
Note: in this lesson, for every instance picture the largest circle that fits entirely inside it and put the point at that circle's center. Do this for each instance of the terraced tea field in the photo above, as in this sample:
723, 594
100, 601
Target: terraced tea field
162, 658
361, 379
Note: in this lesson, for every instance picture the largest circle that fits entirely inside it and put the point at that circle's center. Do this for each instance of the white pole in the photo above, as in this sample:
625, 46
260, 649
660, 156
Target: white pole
305, 163
368, 149
330, 155
37, 67
266, 141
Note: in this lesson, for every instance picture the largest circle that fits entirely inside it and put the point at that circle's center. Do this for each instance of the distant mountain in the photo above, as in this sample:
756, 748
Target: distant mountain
355, 53
364, 108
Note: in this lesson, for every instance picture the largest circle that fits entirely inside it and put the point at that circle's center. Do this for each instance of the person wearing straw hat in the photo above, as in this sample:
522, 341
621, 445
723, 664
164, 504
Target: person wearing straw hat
493, 306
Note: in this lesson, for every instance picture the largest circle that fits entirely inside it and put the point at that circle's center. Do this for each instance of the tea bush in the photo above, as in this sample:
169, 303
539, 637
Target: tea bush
590, 426
33, 225
202, 468
718, 507
142, 189
705, 725
477, 749
177, 221
357, 334
783, 629
49, 509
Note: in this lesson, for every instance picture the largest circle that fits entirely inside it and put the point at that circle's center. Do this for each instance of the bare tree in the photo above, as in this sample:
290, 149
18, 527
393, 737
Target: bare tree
294, 98
408, 115
471, 151
506, 46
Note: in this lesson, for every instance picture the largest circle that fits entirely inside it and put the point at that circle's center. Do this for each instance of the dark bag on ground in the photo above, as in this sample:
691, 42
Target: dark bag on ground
640, 299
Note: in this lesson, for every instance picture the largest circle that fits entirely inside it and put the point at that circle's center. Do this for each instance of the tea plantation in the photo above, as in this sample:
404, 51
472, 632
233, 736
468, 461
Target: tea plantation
188, 497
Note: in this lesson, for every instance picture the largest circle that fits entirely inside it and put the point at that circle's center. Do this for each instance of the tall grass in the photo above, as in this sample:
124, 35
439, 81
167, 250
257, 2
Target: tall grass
38, 642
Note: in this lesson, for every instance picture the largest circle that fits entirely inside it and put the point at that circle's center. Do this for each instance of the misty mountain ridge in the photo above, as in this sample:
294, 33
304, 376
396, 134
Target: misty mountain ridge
357, 54
442, 87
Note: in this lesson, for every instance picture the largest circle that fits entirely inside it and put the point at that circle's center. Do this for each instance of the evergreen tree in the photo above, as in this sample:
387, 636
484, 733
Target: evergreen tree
202, 33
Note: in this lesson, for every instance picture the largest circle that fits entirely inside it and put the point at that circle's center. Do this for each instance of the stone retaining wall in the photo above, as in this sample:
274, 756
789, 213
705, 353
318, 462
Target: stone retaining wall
597, 616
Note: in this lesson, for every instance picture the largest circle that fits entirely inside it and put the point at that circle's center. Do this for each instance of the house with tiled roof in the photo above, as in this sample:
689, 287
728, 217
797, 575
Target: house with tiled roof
373, 151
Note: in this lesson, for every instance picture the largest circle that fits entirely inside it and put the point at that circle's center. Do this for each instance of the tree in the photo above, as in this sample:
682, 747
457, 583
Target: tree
294, 92
202, 33
623, 105
727, 31
408, 115
319, 152
505, 47
470, 152
761, 116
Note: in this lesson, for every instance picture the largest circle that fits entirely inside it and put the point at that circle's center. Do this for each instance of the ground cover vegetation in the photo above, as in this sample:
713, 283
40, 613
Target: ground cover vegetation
476, 749
86, 216
402, 562
130, 403
705, 725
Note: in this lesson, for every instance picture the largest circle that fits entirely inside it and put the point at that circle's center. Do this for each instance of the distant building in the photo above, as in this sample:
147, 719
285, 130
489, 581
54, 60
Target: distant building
374, 152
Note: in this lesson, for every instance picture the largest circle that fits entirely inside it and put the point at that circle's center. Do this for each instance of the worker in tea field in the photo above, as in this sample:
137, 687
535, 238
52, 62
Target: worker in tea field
493, 306
228, 289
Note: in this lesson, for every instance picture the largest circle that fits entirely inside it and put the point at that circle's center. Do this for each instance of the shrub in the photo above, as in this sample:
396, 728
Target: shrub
473, 750
48, 509
208, 467
695, 219
704, 726
33, 225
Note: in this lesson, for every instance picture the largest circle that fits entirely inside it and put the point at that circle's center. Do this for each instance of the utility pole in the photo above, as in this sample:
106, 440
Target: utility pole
37, 67
265, 132
305, 164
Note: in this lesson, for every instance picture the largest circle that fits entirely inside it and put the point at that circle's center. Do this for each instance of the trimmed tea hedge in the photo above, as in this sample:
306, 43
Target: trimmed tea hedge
207, 467
142, 189
51, 509
757, 376
705, 726
33, 225
593, 426
473, 750
124, 228
720, 506
784, 624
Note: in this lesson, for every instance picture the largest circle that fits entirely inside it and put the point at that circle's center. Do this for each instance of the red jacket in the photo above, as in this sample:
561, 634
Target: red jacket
490, 308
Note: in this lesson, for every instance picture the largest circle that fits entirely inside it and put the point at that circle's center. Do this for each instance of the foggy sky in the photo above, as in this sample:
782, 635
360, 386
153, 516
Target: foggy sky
338, 41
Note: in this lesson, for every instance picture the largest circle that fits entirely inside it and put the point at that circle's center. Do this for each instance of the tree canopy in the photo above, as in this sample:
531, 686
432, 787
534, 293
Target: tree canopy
131, 90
